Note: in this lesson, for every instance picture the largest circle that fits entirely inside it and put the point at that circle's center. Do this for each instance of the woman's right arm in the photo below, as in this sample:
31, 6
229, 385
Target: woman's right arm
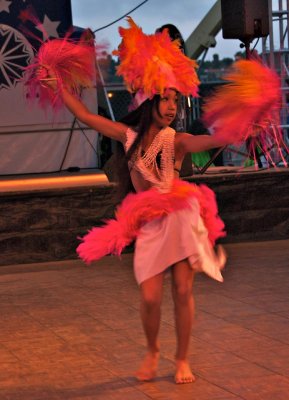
112, 129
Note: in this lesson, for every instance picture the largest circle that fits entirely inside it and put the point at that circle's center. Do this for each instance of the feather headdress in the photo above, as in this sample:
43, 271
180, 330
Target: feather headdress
152, 63
247, 107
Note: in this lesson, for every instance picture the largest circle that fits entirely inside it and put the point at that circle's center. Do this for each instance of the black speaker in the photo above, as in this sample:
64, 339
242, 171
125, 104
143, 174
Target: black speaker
245, 19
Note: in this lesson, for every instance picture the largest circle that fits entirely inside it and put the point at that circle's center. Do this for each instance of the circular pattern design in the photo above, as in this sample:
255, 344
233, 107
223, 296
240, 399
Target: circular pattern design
15, 54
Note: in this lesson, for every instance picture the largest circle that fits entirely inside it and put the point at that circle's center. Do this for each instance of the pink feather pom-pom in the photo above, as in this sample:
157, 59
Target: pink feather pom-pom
247, 108
73, 65
250, 101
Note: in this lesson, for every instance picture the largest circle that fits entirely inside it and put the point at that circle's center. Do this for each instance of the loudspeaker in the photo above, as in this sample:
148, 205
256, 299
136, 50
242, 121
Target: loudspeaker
245, 19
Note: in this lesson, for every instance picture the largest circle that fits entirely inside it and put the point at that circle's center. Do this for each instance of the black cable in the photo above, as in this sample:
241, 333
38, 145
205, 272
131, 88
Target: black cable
257, 41
75, 121
88, 140
68, 143
285, 32
125, 15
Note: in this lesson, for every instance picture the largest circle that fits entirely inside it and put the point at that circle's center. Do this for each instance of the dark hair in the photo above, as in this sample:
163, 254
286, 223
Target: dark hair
140, 121
174, 34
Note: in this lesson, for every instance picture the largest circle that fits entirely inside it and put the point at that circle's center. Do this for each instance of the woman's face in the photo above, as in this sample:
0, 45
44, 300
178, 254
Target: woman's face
167, 108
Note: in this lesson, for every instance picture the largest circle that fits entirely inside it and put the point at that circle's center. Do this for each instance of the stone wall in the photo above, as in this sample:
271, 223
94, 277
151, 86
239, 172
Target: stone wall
43, 225
254, 206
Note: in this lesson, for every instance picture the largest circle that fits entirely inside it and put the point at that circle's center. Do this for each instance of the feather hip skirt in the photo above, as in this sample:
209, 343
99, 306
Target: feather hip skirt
179, 235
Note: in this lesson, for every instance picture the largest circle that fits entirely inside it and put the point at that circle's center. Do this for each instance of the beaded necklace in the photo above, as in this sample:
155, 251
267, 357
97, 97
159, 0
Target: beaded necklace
160, 176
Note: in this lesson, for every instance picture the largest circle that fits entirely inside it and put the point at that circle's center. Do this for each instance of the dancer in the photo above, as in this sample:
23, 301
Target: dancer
171, 220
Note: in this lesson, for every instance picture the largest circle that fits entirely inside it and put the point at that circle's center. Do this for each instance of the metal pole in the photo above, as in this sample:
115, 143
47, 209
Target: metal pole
271, 38
282, 58
264, 50
281, 27
287, 9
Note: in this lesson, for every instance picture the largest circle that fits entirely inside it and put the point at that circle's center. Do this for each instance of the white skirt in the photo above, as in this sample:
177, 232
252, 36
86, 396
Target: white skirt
180, 235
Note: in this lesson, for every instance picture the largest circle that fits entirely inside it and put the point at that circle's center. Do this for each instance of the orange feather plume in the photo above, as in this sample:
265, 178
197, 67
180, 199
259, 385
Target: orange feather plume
248, 103
247, 108
152, 63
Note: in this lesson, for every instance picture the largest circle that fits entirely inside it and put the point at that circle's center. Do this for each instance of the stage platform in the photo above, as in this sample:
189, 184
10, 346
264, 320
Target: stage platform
42, 216
35, 182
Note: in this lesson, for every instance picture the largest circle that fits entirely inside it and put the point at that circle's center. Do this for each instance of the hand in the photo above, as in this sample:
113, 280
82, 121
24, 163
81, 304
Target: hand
47, 77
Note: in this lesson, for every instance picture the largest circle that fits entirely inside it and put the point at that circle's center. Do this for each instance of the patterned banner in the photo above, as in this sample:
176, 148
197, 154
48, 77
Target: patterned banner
20, 36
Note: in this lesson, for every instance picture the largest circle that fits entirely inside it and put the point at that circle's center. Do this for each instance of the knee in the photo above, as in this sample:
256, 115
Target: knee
151, 302
182, 294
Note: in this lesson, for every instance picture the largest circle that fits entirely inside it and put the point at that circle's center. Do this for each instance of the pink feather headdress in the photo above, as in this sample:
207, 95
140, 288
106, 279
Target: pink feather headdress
152, 63
248, 107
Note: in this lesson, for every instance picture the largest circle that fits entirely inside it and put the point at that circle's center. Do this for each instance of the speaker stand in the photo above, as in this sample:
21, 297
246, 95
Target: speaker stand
211, 160
246, 44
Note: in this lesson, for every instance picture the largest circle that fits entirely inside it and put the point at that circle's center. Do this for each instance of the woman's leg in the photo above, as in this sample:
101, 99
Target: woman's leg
150, 310
182, 285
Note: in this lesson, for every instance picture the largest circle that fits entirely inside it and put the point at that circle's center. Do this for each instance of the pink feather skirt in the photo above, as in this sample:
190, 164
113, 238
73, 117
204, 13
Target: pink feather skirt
168, 227
179, 235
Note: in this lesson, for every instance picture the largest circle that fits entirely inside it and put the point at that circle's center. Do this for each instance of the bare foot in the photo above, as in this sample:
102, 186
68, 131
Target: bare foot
183, 372
148, 368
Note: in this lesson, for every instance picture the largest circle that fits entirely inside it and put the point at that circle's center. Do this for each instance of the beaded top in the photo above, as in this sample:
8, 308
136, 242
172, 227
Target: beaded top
161, 174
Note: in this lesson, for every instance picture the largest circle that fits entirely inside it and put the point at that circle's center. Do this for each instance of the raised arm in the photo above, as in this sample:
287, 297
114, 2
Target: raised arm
112, 129
105, 126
